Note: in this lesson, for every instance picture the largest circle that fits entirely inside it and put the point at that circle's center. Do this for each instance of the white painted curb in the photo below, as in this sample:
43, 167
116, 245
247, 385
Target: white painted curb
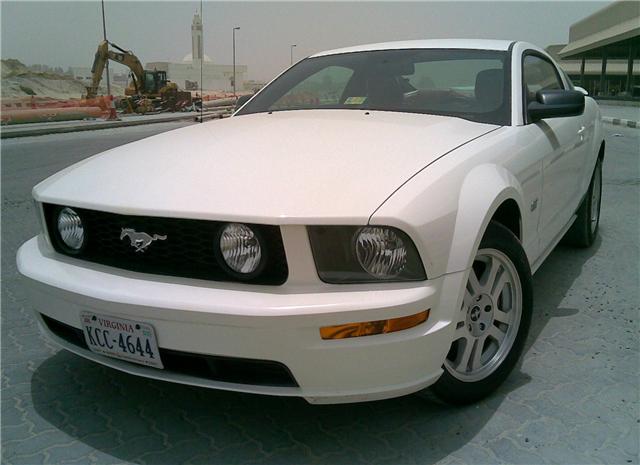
621, 122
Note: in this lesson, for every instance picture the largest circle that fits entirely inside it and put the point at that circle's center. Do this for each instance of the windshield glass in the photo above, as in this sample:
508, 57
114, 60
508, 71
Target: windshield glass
470, 84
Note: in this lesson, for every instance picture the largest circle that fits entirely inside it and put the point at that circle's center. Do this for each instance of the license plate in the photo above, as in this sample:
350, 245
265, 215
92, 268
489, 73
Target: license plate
128, 340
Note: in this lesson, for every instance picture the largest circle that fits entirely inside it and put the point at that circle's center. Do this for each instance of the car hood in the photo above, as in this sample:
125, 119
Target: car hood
310, 166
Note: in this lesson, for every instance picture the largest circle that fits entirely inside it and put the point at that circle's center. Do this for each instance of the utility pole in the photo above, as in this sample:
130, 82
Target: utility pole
292, 47
104, 32
234, 60
201, 64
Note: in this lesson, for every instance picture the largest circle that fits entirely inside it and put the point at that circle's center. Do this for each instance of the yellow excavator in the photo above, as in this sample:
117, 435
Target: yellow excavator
148, 91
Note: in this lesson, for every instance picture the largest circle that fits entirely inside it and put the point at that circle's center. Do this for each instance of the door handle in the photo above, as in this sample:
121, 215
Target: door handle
581, 134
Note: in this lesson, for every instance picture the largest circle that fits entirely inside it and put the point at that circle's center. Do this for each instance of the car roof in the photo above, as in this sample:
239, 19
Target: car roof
474, 44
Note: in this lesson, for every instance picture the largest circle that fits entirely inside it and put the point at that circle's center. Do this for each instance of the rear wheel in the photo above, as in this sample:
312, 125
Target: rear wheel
493, 322
584, 229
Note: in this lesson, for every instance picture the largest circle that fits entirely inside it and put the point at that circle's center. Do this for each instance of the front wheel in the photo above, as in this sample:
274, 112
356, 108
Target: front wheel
493, 323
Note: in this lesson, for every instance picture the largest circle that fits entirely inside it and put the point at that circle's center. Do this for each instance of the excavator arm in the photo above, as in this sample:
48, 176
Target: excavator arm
125, 57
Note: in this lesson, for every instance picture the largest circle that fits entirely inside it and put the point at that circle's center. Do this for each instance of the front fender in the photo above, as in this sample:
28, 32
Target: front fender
446, 212
483, 190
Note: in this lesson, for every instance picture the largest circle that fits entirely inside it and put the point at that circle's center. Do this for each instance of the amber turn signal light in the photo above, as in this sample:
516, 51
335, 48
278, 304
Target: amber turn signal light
369, 328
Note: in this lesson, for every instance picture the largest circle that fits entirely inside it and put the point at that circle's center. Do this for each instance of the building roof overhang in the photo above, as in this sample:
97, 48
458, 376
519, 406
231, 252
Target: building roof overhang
616, 27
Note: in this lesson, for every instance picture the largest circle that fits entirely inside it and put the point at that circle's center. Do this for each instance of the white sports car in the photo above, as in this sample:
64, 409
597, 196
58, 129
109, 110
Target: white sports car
364, 227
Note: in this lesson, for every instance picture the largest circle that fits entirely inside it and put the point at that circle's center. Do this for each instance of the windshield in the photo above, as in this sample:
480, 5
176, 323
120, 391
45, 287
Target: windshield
470, 84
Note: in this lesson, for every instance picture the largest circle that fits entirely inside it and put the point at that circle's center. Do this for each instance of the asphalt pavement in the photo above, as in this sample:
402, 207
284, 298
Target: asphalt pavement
621, 112
573, 399
59, 127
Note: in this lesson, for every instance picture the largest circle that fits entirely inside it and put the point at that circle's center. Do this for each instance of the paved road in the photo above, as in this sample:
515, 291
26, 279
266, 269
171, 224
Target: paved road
617, 111
573, 399
58, 127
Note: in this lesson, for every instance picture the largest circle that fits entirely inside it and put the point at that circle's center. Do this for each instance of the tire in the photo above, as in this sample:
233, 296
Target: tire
495, 318
584, 230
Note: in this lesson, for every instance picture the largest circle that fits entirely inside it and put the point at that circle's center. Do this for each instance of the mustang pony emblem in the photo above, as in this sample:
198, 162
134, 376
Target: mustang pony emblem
140, 240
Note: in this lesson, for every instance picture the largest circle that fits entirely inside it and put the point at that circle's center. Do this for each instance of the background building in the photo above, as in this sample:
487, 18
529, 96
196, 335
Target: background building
602, 52
187, 73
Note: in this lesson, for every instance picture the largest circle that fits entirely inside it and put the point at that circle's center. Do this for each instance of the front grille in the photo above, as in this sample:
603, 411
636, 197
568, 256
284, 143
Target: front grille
213, 367
189, 250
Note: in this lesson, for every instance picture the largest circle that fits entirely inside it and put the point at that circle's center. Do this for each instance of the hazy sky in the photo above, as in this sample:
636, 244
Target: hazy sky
67, 33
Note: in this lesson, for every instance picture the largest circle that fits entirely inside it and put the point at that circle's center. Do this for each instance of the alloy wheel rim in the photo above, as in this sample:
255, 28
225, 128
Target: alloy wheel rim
488, 321
595, 199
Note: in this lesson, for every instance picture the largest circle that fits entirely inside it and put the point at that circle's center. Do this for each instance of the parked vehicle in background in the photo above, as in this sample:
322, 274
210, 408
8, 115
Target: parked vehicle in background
364, 227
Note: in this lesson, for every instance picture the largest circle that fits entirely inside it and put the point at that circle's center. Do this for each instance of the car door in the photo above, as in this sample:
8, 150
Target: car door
562, 141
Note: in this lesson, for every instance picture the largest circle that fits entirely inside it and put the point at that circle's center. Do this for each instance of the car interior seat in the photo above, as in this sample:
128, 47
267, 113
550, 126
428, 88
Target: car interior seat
489, 89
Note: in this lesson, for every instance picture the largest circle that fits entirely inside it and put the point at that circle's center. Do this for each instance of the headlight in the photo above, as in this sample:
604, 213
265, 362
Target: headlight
380, 252
70, 229
240, 248
353, 254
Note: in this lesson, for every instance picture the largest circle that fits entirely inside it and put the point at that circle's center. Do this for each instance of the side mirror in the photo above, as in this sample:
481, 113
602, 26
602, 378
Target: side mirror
241, 101
556, 104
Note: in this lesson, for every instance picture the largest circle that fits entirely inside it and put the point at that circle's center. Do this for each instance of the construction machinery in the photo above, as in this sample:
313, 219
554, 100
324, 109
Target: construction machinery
148, 91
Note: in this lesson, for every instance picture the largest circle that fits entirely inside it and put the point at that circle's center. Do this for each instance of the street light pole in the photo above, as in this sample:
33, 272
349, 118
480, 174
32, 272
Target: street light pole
234, 60
201, 53
292, 46
104, 32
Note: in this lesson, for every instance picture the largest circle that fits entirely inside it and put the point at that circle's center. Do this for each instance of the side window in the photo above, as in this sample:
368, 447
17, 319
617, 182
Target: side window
150, 83
322, 88
539, 74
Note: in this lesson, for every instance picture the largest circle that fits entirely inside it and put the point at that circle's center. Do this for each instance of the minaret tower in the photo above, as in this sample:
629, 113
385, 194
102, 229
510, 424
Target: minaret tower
196, 38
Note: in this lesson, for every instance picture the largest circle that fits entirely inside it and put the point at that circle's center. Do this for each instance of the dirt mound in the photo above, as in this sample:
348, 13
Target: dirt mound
12, 67
19, 81
55, 88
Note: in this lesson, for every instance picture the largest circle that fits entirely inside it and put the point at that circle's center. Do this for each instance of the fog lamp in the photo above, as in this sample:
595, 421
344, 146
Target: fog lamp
70, 229
240, 248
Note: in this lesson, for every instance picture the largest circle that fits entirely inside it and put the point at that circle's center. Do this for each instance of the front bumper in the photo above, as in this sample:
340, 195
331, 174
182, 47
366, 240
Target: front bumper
258, 322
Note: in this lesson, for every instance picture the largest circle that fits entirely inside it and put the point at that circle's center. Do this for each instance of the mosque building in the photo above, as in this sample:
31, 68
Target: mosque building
186, 74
